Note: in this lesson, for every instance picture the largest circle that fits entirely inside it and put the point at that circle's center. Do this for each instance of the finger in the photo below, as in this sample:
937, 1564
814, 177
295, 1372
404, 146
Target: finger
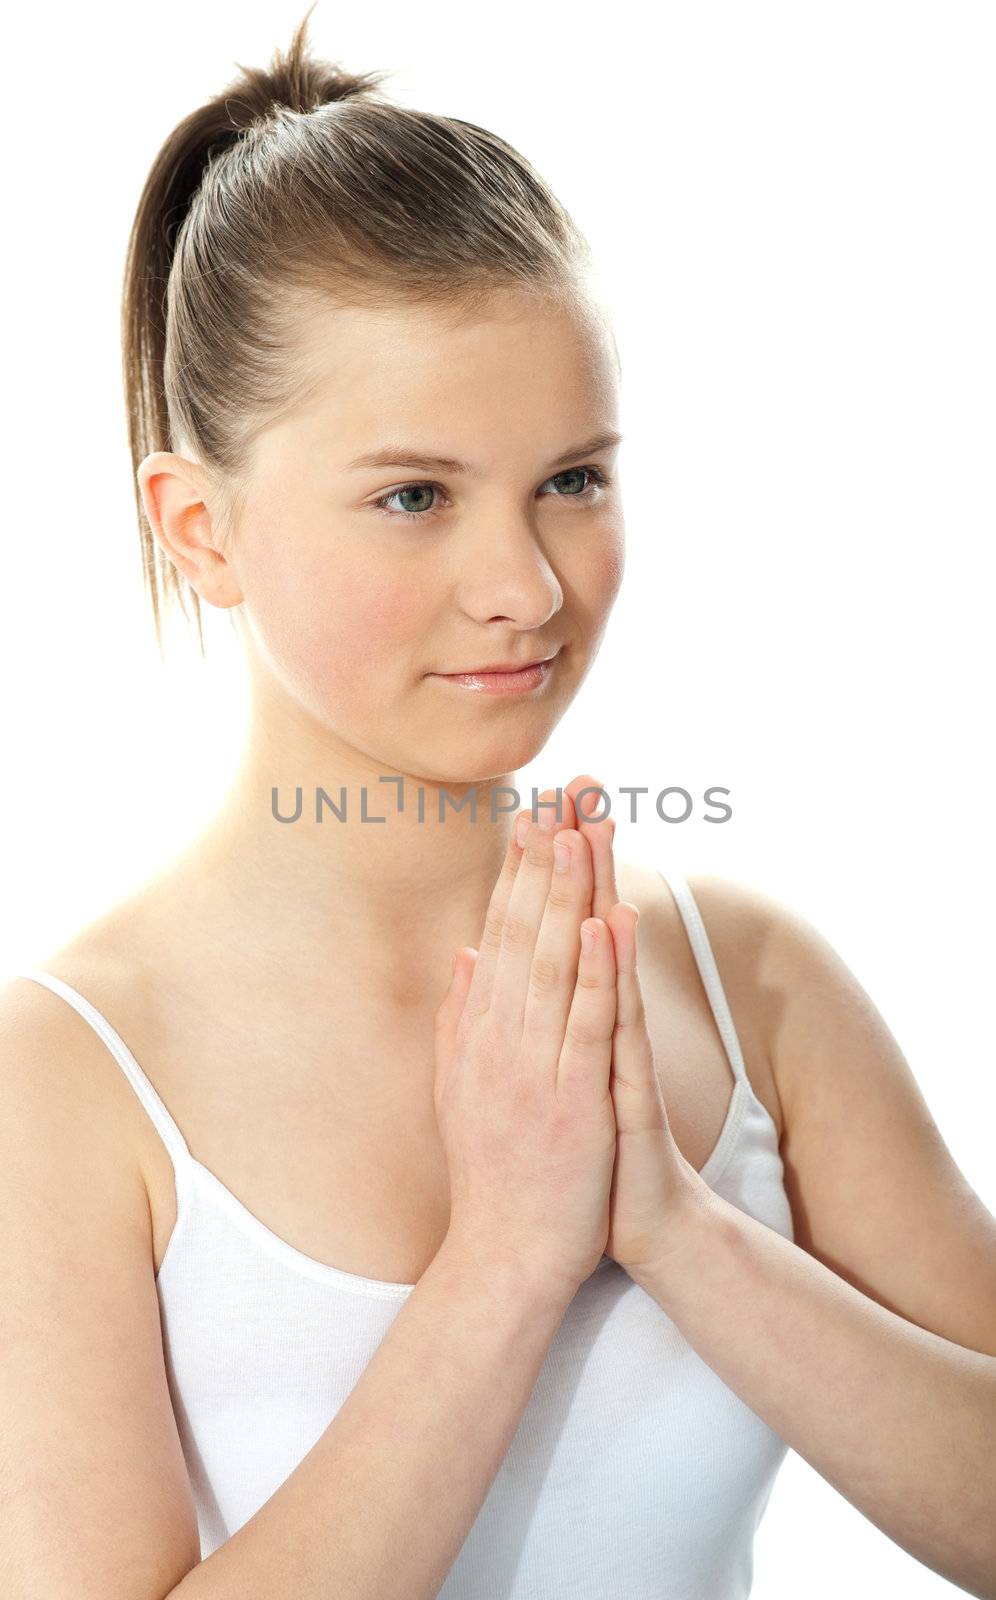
585, 1064
520, 929
482, 977
600, 835
450, 1010
637, 1095
452, 1003
490, 940
554, 810
572, 790
554, 968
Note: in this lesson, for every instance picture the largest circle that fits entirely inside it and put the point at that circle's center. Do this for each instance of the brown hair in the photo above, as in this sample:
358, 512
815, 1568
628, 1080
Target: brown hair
295, 183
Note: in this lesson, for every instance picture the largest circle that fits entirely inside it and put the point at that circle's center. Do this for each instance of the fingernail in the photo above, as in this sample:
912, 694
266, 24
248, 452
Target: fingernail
521, 829
561, 856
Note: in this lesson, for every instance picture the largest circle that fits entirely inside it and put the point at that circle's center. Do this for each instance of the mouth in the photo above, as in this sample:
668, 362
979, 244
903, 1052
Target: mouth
503, 678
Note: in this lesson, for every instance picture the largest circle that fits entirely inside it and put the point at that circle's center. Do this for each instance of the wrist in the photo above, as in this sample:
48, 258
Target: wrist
509, 1274
698, 1221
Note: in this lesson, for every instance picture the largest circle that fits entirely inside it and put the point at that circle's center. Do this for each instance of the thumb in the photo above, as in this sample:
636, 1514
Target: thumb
635, 1089
450, 1009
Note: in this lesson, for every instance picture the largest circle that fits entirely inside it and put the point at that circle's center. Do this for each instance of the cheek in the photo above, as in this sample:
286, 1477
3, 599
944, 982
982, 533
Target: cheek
602, 573
320, 620
383, 611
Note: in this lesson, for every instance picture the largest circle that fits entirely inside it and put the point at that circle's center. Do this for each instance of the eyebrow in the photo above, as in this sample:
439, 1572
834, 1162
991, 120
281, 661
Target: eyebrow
398, 455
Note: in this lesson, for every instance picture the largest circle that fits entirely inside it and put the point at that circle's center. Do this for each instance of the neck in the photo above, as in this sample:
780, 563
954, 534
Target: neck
372, 885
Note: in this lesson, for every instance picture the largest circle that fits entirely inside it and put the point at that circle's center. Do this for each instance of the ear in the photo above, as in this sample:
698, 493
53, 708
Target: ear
176, 494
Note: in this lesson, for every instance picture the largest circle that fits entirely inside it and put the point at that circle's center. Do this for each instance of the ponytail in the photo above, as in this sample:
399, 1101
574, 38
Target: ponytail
296, 181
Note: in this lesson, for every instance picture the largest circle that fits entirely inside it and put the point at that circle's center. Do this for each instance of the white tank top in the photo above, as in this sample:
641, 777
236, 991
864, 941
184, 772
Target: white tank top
634, 1470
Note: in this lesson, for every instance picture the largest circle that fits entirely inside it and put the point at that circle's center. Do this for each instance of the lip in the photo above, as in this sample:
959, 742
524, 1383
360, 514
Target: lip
498, 666
502, 679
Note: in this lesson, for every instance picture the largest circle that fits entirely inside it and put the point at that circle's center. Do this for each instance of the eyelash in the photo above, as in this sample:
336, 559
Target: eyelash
600, 481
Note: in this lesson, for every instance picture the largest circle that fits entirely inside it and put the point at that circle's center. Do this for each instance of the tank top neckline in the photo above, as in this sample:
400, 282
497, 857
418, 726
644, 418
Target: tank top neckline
191, 1174
311, 1267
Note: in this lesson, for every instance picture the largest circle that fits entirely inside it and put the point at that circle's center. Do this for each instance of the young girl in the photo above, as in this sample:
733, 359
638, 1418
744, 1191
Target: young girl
327, 1269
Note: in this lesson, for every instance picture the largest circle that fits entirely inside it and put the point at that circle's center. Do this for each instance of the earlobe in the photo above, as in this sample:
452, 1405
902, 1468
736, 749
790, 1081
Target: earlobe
175, 496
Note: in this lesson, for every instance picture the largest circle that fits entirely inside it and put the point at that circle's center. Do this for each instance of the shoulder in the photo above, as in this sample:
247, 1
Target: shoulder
867, 1168
49, 1053
757, 938
748, 932
802, 991
774, 963
39, 1029
89, 1438
738, 911
60, 1085
68, 1158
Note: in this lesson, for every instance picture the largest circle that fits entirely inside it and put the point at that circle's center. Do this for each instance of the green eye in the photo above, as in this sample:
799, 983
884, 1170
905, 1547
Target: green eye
416, 489
599, 481
572, 472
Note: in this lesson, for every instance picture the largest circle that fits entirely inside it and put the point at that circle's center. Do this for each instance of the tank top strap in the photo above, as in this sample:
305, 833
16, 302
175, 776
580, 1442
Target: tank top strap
165, 1126
705, 960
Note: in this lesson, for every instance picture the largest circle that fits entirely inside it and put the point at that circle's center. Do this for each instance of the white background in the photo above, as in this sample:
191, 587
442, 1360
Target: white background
792, 207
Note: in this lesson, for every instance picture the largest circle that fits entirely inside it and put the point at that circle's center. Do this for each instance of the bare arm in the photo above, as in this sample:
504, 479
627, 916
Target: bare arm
868, 1344
95, 1503
900, 1420
381, 1505
94, 1497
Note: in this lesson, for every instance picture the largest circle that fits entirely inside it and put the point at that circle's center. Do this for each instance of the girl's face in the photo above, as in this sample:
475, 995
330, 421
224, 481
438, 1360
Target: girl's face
362, 580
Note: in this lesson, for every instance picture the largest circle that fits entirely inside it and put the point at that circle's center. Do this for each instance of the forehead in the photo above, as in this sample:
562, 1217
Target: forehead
539, 367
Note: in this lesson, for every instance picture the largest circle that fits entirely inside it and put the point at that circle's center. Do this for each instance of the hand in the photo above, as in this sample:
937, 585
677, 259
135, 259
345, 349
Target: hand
523, 1046
651, 1181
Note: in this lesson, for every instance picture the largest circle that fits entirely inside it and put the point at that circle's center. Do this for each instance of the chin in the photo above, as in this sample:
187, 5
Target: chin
481, 761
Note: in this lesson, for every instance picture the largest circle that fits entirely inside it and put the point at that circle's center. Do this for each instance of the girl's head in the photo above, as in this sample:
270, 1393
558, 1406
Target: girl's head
317, 275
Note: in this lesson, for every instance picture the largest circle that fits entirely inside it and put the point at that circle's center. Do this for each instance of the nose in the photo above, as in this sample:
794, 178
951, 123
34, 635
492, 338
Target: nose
505, 575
